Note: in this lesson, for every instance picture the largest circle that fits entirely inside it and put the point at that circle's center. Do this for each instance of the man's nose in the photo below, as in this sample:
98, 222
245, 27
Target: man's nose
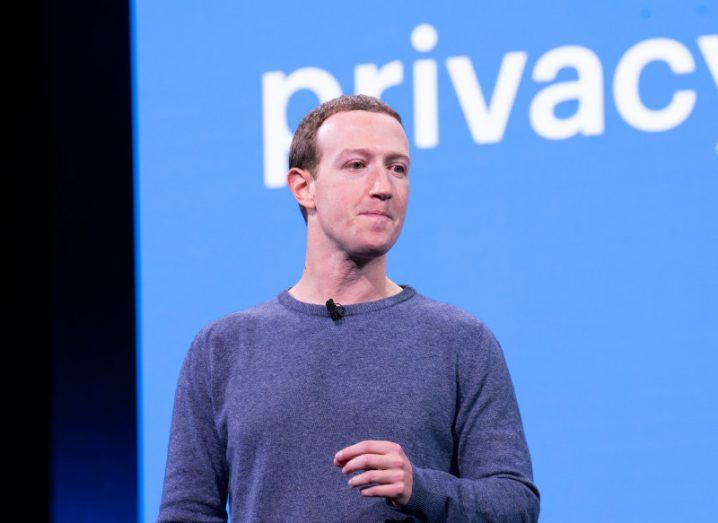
381, 185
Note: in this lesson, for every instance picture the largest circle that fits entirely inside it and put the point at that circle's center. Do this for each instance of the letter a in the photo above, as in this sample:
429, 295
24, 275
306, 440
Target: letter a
587, 89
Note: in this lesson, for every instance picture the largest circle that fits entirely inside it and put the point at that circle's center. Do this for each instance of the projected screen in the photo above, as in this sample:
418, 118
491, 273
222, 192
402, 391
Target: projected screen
563, 189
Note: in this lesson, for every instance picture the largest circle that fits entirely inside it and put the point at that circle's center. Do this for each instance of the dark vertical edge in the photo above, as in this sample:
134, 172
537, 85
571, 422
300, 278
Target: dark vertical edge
93, 442
25, 348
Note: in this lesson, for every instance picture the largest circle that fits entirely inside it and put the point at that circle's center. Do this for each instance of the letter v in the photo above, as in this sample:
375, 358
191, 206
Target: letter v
709, 48
486, 123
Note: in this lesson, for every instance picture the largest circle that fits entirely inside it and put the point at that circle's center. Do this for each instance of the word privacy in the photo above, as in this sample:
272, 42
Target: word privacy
487, 116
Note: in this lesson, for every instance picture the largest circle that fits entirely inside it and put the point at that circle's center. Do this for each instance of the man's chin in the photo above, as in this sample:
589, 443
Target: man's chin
370, 252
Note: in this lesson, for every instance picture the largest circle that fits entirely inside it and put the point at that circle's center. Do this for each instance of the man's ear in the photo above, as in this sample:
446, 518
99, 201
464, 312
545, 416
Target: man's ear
301, 183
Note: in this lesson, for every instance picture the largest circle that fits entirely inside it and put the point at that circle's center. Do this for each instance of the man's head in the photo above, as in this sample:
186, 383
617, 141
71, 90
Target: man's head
356, 190
304, 153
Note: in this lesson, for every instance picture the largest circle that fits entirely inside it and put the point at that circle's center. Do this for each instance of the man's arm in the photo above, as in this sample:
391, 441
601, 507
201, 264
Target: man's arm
196, 477
493, 481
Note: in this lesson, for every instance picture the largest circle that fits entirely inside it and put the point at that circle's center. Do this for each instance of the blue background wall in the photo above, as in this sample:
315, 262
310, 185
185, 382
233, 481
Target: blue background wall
592, 257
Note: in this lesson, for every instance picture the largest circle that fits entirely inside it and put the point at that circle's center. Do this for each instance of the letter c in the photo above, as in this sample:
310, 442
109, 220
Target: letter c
626, 79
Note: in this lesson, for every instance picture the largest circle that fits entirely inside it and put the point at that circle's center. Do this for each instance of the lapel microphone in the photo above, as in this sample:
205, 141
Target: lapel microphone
335, 309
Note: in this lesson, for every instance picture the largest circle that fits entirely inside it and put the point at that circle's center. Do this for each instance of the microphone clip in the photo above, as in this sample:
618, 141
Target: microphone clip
336, 311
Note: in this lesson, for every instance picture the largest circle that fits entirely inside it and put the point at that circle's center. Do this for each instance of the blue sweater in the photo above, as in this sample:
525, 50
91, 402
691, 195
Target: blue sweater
268, 395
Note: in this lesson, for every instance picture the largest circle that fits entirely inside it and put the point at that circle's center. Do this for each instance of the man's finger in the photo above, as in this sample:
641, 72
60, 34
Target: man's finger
365, 462
365, 447
368, 446
391, 491
372, 461
381, 477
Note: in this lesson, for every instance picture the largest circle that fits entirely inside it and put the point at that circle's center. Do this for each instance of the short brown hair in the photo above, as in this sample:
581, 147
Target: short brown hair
303, 153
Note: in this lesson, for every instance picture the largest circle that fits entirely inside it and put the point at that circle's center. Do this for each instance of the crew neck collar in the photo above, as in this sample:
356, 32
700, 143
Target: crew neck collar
316, 309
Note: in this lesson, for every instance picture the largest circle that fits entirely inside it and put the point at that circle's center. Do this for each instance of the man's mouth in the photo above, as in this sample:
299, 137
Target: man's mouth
376, 214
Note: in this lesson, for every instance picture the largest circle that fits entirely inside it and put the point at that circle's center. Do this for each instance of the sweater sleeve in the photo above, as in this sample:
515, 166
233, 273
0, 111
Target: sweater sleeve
196, 476
493, 481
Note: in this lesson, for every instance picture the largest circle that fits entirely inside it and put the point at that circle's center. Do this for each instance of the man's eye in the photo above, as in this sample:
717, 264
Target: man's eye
356, 164
400, 169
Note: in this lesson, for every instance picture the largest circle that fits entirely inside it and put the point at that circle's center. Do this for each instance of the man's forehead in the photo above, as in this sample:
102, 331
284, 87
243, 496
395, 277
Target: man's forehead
357, 128
360, 117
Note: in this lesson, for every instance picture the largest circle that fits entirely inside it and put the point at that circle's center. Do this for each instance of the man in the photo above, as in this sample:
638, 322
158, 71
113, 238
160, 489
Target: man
348, 397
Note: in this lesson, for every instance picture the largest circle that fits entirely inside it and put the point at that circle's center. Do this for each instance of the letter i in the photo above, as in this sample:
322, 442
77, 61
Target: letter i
426, 110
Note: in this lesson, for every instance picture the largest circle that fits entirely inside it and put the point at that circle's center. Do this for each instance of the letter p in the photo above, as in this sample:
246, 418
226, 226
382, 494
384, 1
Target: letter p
277, 89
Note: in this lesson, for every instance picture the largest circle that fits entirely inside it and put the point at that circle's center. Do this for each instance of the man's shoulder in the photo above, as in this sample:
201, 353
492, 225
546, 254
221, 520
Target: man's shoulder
443, 313
242, 320
458, 328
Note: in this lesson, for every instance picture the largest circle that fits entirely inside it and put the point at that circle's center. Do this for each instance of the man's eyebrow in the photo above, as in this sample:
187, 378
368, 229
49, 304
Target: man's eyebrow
367, 152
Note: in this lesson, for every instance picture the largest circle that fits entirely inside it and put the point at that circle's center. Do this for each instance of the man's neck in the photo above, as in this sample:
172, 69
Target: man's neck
344, 280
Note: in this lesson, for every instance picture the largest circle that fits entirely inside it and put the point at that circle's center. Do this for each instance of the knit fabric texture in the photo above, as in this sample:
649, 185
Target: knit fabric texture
267, 396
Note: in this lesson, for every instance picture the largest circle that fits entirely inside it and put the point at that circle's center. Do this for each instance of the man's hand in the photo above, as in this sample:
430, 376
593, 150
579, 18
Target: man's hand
388, 470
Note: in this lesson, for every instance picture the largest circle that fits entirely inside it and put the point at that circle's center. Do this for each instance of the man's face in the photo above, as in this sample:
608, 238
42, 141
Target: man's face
361, 185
